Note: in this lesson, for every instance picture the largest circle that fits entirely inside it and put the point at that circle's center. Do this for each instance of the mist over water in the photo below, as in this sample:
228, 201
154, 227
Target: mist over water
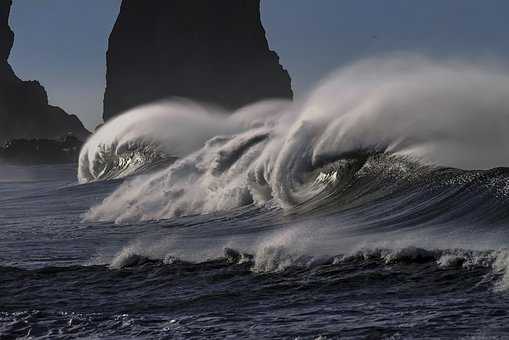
435, 113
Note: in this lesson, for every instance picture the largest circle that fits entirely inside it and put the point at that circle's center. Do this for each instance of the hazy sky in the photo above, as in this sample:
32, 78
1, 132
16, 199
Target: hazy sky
62, 43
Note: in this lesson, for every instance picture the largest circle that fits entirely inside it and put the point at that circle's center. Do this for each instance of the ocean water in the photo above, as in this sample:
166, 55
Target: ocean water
377, 208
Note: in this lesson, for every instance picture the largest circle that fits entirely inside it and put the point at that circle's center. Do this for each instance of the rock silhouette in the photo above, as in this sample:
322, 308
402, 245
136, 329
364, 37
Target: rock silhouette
24, 108
210, 51
41, 151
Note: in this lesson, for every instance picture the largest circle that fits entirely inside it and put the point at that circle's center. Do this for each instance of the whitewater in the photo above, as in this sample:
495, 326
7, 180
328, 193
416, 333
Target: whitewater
374, 207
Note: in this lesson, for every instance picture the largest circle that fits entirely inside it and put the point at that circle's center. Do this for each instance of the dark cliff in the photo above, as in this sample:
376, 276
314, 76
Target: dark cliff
24, 109
210, 51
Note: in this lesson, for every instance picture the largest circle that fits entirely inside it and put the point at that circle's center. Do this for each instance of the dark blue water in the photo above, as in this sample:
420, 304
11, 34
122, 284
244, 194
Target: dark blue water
378, 259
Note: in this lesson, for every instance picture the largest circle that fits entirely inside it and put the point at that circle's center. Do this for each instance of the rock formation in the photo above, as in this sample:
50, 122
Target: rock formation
210, 51
41, 151
24, 109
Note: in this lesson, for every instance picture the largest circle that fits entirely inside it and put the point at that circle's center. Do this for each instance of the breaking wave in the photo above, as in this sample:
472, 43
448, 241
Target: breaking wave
385, 122
161, 131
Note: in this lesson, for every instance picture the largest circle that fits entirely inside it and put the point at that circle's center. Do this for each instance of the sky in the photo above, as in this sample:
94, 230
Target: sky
62, 43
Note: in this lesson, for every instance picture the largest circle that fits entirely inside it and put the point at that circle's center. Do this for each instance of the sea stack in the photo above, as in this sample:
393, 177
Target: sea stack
24, 109
210, 51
